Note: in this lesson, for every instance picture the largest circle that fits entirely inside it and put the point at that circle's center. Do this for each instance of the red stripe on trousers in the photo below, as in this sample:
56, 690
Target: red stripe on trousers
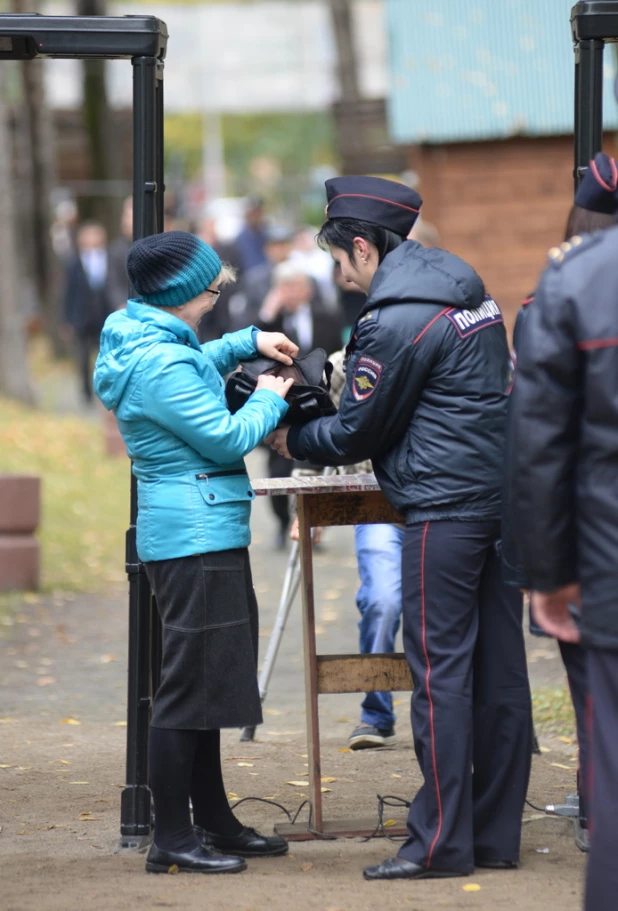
428, 687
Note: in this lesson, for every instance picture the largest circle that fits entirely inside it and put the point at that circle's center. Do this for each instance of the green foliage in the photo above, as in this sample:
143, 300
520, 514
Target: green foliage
553, 711
85, 494
293, 142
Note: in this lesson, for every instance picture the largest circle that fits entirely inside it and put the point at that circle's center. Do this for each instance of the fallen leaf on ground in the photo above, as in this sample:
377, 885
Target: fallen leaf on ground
389, 823
343, 720
82, 782
327, 779
107, 659
344, 750
471, 887
306, 867
326, 790
566, 739
45, 681
5, 766
120, 724
69, 721
298, 784
245, 765
232, 796
7, 720
398, 701
273, 712
395, 776
63, 761
544, 749
558, 765
173, 869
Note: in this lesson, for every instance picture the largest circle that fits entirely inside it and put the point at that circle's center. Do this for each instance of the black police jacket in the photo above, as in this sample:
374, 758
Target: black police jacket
426, 390
563, 465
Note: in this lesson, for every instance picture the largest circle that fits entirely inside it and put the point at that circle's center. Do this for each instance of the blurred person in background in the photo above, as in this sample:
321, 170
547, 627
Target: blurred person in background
316, 263
219, 321
251, 241
64, 229
87, 298
118, 278
258, 280
594, 209
290, 304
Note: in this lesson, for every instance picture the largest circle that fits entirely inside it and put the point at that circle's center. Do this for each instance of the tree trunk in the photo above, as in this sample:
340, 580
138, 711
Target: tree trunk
98, 121
36, 171
347, 66
14, 376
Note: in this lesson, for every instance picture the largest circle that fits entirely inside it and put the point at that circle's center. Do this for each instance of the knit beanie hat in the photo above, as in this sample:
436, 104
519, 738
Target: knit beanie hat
171, 268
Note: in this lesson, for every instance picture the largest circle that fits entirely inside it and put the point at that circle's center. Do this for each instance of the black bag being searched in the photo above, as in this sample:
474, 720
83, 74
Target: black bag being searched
308, 398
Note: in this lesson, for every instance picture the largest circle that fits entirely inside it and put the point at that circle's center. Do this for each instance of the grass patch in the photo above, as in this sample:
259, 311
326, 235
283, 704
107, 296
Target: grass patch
85, 495
553, 711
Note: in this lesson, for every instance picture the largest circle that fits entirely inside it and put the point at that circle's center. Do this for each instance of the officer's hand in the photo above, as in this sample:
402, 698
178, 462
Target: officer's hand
276, 384
279, 442
551, 612
277, 346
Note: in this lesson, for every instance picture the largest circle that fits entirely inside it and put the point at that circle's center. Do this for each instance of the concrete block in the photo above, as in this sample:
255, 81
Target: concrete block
20, 503
20, 563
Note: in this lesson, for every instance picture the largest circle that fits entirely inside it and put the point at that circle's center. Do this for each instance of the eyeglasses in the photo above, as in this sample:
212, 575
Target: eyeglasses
215, 294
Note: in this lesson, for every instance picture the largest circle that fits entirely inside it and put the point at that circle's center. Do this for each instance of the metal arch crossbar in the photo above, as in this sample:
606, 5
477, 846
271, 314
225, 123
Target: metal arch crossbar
594, 23
143, 41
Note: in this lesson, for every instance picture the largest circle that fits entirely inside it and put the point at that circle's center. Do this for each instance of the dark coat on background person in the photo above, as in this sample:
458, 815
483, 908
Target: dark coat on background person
85, 308
117, 278
219, 320
564, 440
426, 390
327, 329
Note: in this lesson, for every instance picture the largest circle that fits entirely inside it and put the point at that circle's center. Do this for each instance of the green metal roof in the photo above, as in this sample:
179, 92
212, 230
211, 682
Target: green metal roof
465, 70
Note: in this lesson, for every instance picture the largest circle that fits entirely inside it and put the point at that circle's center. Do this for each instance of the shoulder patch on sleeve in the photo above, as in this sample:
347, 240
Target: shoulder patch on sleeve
366, 377
467, 322
366, 317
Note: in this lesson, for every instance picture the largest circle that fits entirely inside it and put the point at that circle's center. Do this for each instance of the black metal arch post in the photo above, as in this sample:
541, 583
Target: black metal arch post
143, 40
594, 23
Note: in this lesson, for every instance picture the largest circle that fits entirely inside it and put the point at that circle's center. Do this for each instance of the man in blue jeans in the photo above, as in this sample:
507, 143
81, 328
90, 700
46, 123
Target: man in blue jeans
378, 555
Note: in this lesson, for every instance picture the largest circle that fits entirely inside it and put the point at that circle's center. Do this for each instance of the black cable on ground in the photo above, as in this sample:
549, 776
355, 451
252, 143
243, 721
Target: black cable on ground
538, 809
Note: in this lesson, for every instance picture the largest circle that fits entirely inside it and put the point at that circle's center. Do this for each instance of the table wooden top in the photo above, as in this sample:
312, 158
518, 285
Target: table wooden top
312, 484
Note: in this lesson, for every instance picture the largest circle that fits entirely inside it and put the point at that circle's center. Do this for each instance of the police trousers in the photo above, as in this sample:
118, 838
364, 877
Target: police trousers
471, 707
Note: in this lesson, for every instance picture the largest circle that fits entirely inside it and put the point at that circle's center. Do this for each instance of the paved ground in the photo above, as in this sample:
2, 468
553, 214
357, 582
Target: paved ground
62, 706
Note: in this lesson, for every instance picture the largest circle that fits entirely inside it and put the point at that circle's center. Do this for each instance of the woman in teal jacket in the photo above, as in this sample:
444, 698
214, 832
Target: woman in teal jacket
194, 498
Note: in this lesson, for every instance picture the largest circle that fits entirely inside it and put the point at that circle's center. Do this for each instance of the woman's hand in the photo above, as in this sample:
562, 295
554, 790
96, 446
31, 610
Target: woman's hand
277, 385
276, 346
278, 440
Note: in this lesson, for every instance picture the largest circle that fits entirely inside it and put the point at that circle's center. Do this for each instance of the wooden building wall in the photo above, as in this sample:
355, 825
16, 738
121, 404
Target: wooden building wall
500, 205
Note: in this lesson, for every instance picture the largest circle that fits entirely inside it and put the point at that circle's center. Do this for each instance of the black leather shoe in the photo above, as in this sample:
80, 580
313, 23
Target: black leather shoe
398, 868
200, 860
248, 844
489, 864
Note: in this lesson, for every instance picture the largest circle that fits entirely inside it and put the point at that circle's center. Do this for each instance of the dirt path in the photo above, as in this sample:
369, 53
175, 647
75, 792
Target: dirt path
64, 660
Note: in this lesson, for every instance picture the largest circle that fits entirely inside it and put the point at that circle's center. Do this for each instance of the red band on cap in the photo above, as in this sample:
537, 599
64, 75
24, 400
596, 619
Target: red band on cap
595, 171
379, 198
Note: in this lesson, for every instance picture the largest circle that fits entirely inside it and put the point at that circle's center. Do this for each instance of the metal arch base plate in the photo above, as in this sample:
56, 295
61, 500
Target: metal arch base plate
133, 844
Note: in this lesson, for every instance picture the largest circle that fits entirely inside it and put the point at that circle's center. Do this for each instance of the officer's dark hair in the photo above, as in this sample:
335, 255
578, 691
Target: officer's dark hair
340, 232
583, 221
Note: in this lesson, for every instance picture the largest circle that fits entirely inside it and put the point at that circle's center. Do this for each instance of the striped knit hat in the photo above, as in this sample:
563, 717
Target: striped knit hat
171, 268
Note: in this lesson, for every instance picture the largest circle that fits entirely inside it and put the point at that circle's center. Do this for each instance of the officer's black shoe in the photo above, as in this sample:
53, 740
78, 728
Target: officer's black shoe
202, 859
489, 864
397, 868
248, 843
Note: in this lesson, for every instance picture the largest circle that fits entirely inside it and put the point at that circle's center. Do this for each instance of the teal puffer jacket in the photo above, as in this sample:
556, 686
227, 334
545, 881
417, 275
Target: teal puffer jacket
168, 394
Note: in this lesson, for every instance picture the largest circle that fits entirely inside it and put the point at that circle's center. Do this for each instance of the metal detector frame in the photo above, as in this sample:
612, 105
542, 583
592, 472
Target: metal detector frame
594, 23
143, 41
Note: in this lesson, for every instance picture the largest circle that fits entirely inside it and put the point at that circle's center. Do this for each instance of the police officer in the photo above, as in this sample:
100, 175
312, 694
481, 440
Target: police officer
425, 398
594, 209
564, 498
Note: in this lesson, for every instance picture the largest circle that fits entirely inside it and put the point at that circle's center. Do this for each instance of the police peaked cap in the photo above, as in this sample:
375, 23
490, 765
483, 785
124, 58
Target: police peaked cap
597, 191
381, 202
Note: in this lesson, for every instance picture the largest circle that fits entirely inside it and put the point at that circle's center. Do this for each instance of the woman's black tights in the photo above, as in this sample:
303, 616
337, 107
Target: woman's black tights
183, 765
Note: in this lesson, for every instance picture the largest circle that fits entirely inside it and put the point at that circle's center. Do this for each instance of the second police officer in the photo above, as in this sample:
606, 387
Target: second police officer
425, 398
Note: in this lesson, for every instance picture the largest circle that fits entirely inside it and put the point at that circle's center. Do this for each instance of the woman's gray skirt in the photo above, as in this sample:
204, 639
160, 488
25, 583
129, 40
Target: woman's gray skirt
209, 614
